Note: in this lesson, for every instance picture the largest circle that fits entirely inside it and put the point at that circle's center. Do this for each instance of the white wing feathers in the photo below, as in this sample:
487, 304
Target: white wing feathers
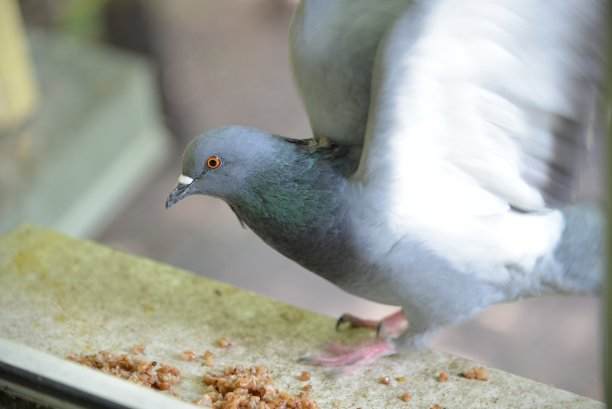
489, 107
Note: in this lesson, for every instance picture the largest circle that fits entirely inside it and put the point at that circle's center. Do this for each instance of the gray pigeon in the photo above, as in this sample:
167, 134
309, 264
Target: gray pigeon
449, 168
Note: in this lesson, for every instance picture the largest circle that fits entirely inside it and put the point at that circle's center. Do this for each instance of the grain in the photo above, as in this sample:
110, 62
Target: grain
138, 370
240, 388
138, 349
224, 342
209, 359
385, 380
479, 373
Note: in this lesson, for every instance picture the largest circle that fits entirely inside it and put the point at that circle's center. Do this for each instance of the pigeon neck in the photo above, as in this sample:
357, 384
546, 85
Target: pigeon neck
300, 205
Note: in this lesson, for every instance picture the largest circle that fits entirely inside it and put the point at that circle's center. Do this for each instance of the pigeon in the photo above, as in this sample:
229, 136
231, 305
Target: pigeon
455, 148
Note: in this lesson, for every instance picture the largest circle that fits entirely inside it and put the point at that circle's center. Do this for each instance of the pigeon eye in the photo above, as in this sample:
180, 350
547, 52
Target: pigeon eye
213, 162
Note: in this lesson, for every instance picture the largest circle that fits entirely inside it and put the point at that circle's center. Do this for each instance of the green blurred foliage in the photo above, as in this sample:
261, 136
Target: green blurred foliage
83, 18
80, 18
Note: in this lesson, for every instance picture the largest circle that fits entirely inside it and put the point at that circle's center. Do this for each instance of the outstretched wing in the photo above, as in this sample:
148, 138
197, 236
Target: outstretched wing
333, 45
491, 105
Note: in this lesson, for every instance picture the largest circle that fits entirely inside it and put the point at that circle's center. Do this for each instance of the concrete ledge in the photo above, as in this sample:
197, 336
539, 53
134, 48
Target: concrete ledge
61, 296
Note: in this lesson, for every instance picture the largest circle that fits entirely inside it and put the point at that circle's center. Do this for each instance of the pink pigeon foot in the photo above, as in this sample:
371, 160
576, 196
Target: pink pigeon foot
390, 326
351, 359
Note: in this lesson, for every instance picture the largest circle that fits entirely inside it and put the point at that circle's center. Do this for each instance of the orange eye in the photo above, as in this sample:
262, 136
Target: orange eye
213, 162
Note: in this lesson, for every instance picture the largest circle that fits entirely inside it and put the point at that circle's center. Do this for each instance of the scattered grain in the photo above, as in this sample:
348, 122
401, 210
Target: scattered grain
406, 397
442, 377
205, 400
307, 387
239, 388
137, 370
305, 376
189, 356
401, 379
139, 349
479, 373
224, 342
385, 380
209, 359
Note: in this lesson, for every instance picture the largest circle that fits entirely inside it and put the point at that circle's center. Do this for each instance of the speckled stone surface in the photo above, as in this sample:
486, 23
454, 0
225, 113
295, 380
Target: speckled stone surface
62, 295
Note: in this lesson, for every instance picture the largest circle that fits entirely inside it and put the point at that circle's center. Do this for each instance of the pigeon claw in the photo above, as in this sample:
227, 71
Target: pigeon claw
389, 327
379, 329
355, 322
341, 320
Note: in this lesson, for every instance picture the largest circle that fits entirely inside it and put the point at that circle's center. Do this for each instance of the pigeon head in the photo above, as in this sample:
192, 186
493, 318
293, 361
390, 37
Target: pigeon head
219, 162
292, 193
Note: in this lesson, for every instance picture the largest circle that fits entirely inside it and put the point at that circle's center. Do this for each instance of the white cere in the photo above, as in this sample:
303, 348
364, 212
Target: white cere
185, 180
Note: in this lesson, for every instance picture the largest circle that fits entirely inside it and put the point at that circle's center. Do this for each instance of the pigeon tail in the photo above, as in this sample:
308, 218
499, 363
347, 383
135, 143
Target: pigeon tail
576, 265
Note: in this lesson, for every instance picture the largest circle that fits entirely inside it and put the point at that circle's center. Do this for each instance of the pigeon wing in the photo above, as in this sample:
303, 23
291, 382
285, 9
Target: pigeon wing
481, 106
333, 46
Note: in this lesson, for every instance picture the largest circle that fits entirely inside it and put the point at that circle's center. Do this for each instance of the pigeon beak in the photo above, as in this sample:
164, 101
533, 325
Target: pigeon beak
181, 191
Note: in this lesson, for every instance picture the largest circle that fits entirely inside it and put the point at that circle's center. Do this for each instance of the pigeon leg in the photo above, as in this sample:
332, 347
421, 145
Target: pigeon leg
408, 337
390, 326
349, 360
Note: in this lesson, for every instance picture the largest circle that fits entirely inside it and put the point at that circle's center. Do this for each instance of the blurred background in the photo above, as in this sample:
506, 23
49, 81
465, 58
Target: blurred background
91, 146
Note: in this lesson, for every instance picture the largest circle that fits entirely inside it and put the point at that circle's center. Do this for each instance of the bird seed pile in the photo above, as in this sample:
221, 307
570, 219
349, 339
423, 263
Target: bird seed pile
249, 388
233, 387
138, 370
